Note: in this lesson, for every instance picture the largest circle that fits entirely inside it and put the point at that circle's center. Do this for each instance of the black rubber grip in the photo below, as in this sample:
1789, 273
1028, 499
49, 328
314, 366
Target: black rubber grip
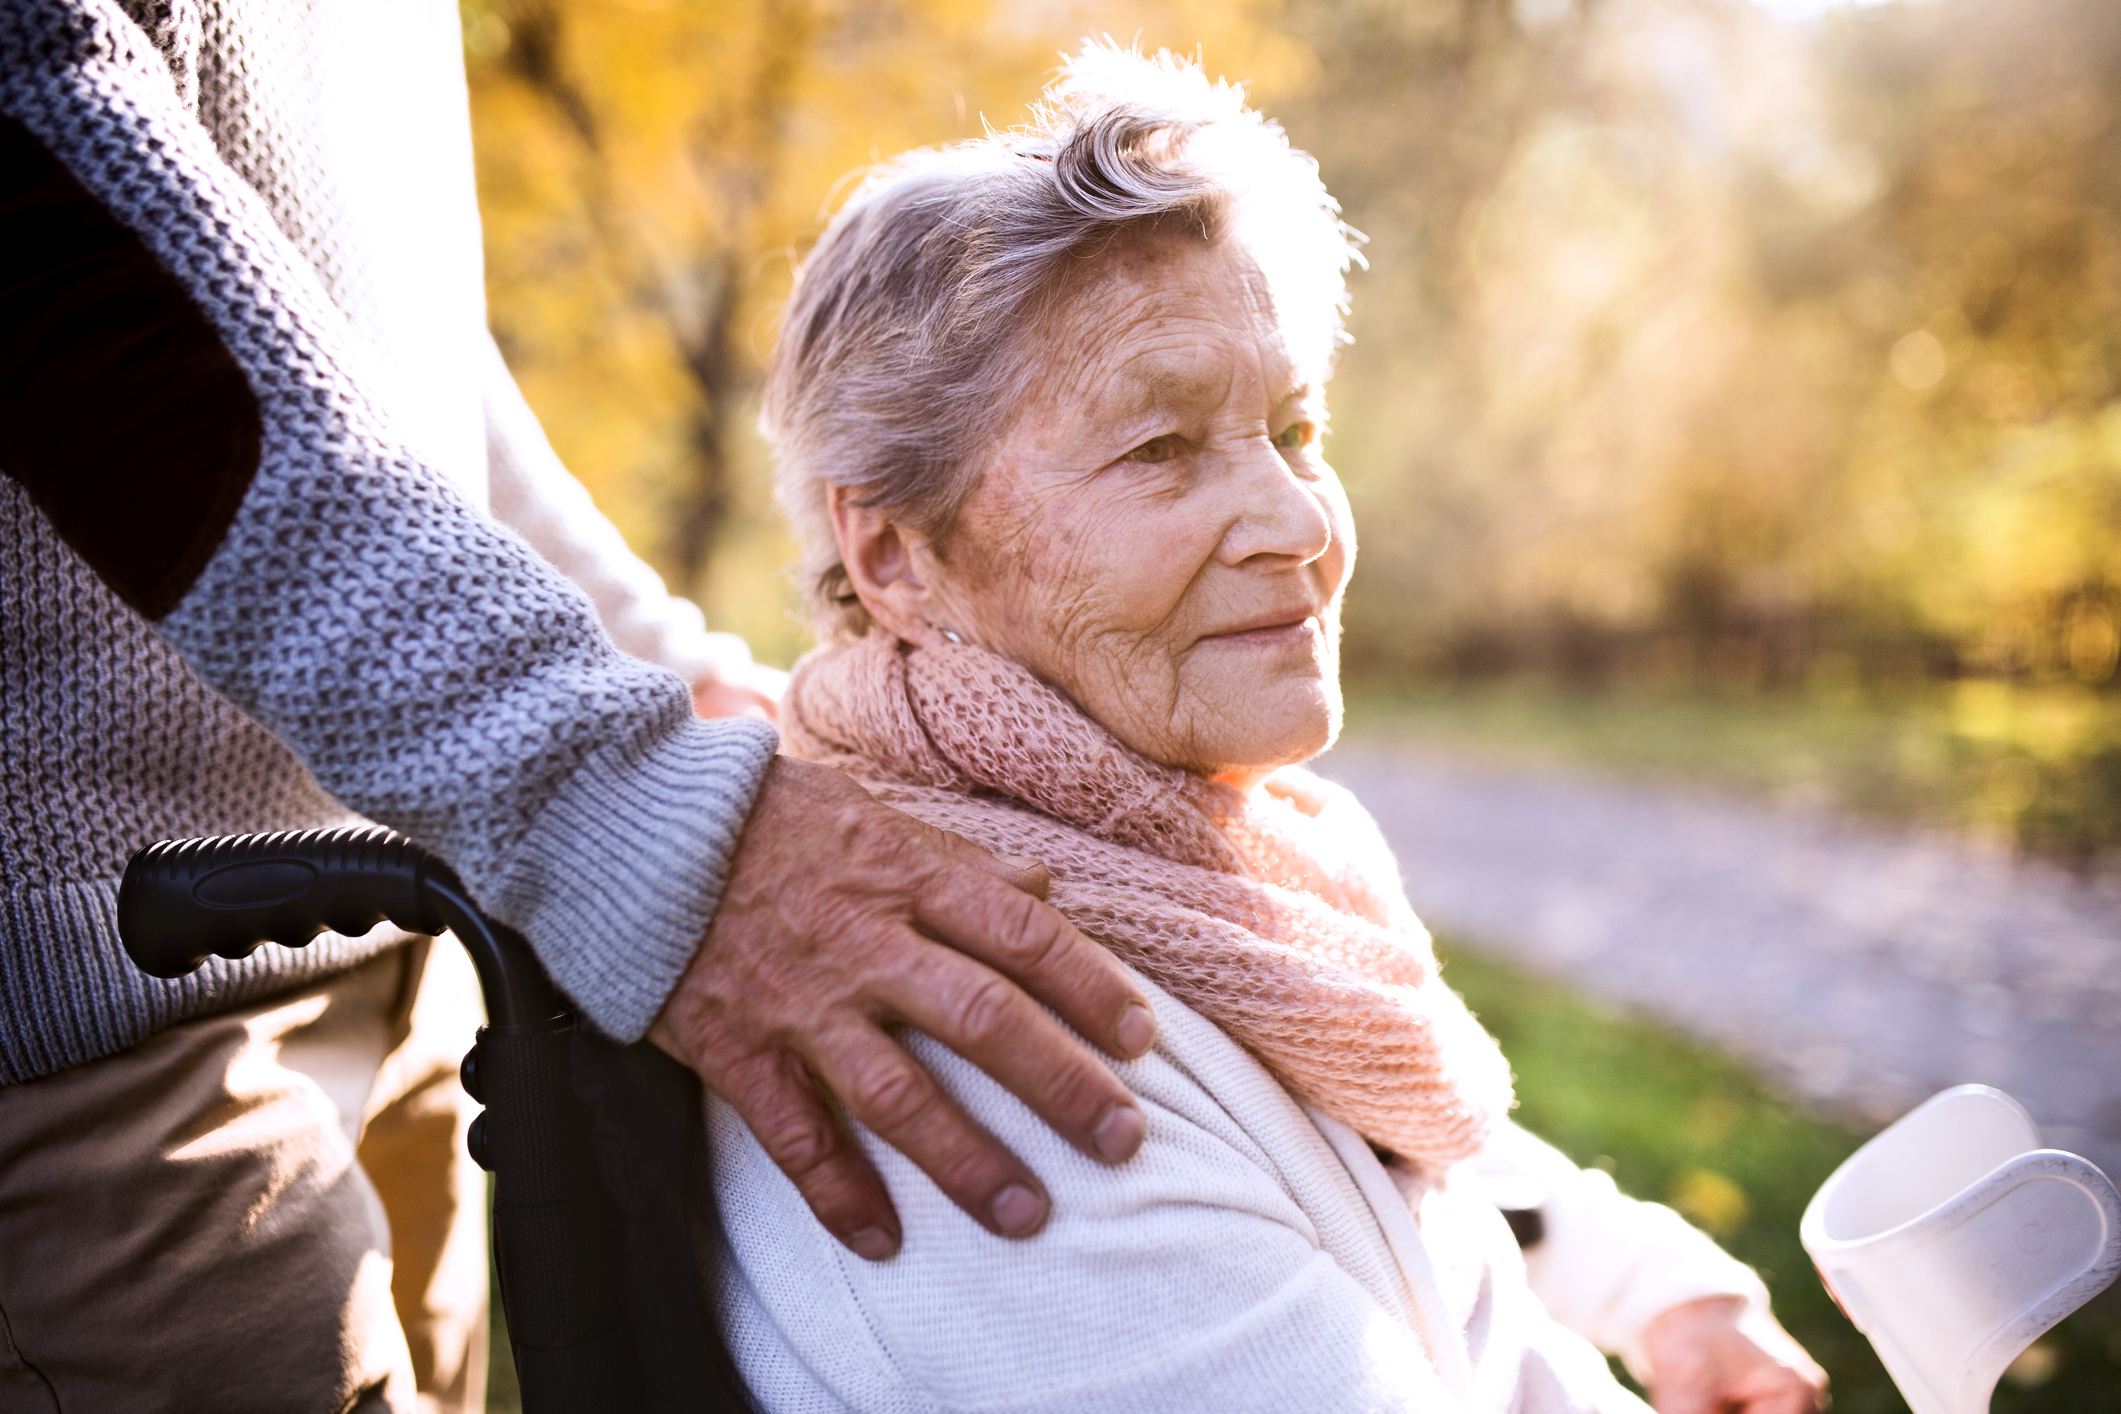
182, 901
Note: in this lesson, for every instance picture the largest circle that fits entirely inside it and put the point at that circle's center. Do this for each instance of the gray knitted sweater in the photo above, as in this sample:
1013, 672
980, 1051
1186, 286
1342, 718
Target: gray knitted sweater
242, 585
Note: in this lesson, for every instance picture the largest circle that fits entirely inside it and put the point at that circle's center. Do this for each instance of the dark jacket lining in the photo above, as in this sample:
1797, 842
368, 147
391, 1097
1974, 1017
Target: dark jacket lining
121, 412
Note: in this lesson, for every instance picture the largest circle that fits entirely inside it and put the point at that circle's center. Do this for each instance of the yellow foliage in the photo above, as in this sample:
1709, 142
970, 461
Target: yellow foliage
1685, 328
649, 171
1712, 1200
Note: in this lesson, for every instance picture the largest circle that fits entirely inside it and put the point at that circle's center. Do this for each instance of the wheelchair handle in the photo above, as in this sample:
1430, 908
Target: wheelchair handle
555, 1231
182, 901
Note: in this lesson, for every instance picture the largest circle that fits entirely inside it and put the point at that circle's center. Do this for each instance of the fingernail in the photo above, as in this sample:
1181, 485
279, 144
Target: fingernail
1018, 1211
1137, 1029
873, 1244
1119, 1133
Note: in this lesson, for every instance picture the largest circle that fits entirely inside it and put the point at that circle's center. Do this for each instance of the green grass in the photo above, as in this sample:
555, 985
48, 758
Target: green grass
1682, 1123
2033, 765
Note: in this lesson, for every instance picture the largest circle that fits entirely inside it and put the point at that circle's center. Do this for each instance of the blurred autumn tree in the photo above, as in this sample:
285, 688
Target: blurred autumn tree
648, 169
1704, 349
1697, 345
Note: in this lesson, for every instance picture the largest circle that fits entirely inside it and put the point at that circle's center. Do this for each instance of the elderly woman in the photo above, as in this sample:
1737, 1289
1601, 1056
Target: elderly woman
1048, 408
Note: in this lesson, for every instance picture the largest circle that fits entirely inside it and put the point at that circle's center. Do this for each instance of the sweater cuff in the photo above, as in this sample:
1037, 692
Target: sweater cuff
616, 882
1690, 1272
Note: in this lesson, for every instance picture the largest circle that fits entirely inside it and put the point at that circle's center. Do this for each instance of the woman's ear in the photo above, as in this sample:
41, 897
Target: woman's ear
890, 566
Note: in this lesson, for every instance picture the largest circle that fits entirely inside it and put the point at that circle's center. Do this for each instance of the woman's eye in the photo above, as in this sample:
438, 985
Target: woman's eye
1296, 434
1156, 449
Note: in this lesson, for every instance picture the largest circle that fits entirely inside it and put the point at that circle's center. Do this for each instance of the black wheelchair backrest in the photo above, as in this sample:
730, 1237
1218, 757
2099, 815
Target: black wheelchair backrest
601, 1205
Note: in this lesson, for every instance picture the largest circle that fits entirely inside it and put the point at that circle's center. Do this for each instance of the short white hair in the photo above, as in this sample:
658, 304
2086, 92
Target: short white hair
911, 337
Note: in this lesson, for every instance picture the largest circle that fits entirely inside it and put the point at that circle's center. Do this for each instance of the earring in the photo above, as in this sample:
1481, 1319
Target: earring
951, 634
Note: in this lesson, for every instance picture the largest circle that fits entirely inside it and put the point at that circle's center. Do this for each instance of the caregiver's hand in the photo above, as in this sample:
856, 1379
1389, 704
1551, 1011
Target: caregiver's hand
843, 918
1724, 1355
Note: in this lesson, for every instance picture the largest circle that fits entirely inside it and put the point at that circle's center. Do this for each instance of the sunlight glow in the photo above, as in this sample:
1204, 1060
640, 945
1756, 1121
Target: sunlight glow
1796, 10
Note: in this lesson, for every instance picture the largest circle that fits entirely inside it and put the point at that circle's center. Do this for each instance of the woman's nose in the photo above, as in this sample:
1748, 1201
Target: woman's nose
1276, 513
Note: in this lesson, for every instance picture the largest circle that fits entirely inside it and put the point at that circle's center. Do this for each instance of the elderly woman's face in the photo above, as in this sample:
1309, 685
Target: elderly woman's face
1157, 535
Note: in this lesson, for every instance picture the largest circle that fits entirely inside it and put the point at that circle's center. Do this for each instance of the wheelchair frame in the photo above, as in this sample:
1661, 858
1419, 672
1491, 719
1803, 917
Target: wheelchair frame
597, 1150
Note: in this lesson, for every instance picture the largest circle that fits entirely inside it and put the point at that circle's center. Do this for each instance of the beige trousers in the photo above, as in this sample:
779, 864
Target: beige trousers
268, 1210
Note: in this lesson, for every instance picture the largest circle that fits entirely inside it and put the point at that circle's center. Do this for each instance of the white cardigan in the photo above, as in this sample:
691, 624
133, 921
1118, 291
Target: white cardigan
523, 483
1252, 1256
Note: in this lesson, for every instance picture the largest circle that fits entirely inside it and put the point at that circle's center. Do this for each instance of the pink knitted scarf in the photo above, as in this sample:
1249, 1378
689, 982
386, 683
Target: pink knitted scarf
1276, 914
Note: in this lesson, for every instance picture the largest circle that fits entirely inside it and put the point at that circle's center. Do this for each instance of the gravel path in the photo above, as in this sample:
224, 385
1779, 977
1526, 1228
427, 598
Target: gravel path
1861, 968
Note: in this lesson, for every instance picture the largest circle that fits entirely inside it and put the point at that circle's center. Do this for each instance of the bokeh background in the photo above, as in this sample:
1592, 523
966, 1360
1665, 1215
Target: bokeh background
1734, 403
1703, 348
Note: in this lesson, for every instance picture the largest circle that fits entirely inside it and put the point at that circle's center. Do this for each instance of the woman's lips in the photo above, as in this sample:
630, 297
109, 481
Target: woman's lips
1276, 632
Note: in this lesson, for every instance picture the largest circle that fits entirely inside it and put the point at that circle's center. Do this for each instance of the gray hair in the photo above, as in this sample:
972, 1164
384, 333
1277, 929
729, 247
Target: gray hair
910, 340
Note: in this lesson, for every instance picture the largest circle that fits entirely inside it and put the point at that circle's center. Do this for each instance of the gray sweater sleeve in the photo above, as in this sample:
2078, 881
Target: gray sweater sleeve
533, 494
423, 663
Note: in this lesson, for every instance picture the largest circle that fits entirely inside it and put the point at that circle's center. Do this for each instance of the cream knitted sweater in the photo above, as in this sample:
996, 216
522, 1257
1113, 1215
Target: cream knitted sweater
1252, 1256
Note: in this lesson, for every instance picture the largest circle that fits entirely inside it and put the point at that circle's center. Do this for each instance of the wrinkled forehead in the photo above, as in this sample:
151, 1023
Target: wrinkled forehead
1132, 321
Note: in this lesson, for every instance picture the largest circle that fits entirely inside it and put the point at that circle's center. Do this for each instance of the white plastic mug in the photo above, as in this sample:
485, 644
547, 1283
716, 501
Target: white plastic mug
1954, 1241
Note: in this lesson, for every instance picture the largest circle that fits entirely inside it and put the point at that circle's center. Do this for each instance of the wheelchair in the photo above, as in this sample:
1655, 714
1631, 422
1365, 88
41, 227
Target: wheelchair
603, 1219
